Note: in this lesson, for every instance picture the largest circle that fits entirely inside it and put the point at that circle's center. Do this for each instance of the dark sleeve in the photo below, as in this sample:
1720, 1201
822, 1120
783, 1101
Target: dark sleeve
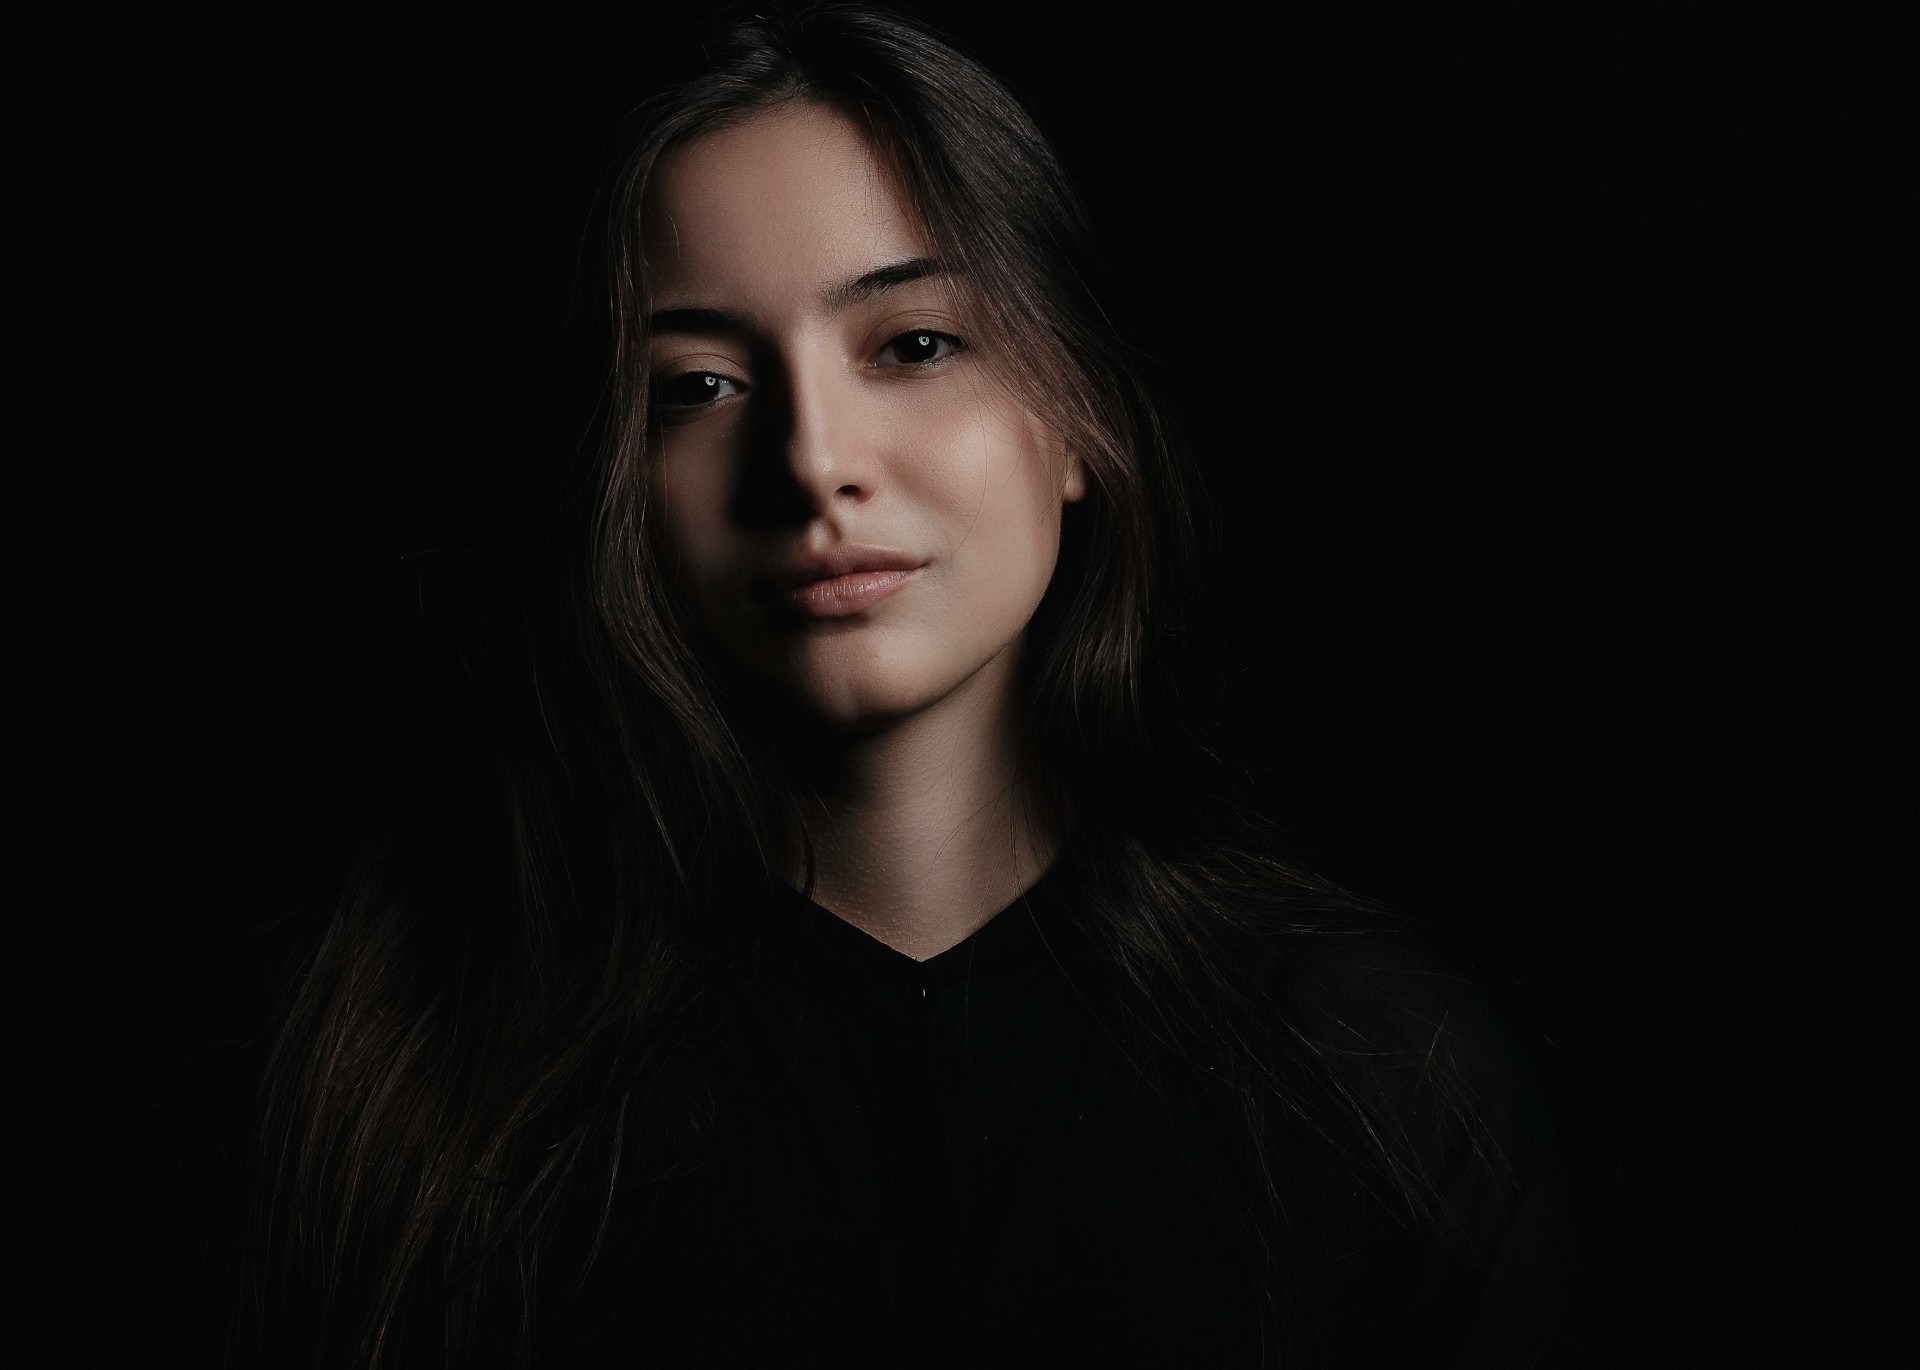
1496, 1275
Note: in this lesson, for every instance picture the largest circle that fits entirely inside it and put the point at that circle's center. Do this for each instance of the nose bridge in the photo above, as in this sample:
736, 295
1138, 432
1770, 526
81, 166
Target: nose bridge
828, 451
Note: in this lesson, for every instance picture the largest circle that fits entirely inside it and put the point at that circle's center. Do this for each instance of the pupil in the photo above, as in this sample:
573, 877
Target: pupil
694, 388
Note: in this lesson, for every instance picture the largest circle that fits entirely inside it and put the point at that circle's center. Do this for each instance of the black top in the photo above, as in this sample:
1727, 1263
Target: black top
956, 1162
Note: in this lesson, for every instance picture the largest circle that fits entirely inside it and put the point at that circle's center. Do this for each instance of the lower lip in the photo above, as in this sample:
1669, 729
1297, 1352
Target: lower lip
841, 595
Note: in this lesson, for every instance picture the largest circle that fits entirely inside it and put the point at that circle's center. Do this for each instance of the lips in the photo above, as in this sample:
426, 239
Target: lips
839, 581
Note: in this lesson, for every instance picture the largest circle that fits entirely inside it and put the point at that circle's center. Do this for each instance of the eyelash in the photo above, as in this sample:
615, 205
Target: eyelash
954, 345
711, 381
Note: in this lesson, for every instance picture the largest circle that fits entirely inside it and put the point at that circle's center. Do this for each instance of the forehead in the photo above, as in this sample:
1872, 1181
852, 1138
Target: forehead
772, 208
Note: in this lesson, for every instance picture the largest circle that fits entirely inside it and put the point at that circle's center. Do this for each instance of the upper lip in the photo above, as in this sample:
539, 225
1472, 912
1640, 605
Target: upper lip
843, 560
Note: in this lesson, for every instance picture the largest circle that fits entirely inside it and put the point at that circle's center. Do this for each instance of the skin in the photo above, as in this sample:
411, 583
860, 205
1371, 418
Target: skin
808, 421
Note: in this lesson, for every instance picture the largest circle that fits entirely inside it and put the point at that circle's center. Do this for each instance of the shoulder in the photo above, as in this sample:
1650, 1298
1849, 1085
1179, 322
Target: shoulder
1451, 1114
1385, 996
1418, 1050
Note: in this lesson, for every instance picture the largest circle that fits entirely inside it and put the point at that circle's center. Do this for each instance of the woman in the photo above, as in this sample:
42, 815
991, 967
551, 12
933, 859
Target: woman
876, 976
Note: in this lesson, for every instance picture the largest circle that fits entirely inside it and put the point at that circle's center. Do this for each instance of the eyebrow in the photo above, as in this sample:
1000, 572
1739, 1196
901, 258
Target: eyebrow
699, 320
835, 299
880, 280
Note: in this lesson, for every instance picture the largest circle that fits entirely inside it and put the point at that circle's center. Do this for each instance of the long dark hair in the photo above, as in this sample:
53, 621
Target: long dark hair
444, 1111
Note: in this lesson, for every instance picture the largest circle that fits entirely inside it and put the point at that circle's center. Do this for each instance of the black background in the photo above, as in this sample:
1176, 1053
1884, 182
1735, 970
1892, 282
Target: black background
1548, 365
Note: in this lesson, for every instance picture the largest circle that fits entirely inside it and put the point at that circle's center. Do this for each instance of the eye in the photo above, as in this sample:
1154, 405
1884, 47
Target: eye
693, 390
920, 347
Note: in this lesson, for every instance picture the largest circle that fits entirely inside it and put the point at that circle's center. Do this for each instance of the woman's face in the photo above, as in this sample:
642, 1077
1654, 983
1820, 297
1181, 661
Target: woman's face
859, 513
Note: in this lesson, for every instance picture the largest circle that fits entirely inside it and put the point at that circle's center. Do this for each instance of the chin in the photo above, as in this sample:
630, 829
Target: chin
852, 707
851, 697
850, 688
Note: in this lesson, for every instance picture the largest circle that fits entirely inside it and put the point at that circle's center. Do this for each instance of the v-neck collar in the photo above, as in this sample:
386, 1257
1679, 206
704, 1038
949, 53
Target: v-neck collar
1014, 938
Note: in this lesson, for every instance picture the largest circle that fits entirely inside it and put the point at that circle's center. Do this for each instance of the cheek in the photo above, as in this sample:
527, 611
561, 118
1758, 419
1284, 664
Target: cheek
988, 470
1003, 518
686, 516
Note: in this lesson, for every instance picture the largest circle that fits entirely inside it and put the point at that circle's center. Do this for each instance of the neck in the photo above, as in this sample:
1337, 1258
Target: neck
926, 828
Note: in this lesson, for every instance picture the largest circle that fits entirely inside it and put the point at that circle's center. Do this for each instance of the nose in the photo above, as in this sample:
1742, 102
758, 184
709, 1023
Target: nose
817, 448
